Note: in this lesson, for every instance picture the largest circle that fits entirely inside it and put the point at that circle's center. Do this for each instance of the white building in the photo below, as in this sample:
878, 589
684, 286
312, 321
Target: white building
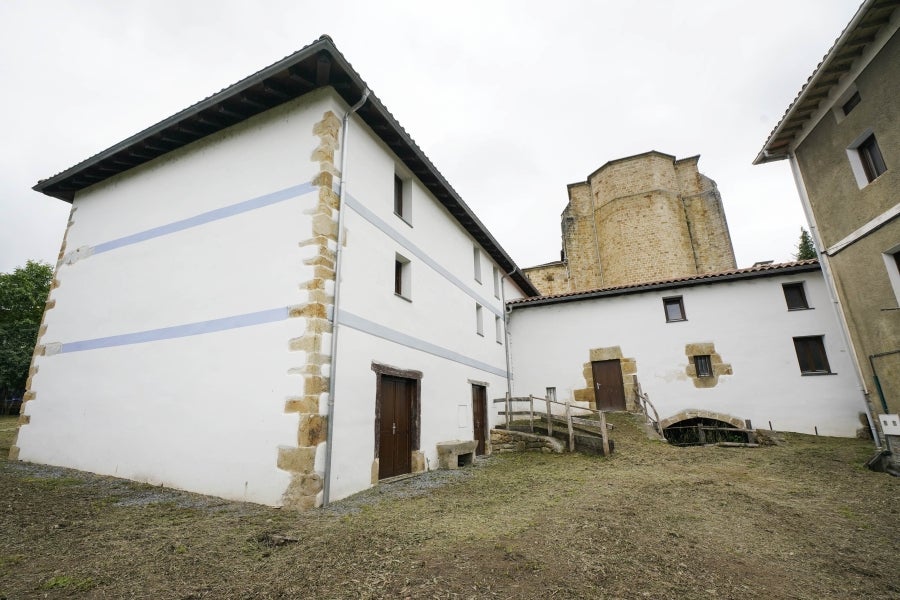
759, 345
188, 339
217, 324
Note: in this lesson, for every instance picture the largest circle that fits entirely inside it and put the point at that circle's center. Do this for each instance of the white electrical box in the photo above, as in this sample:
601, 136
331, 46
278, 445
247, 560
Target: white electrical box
890, 424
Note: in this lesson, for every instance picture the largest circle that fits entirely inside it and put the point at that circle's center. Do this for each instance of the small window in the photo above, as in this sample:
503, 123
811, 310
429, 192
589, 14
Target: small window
402, 206
811, 355
703, 365
795, 296
871, 158
674, 309
496, 283
551, 393
498, 327
892, 264
479, 320
851, 103
402, 277
866, 159
476, 255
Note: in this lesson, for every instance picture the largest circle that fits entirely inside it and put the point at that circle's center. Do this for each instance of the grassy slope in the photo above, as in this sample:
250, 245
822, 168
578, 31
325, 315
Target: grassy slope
802, 520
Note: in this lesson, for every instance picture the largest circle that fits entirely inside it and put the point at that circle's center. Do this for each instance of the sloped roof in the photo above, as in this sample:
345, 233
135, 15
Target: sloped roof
315, 66
764, 270
862, 30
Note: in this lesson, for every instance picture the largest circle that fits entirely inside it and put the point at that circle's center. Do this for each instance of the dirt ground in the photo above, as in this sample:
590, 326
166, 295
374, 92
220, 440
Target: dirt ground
799, 520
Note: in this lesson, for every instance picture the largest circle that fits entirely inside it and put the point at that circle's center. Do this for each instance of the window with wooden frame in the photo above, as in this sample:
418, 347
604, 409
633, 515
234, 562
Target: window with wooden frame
866, 159
674, 308
795, 296
479, 320
811, 355
402, 206
871, 157
402, 277
851, 103
476, 263
703, 365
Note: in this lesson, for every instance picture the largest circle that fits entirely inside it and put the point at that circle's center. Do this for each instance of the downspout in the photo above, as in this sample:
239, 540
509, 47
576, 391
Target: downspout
506, 312
338, 254
872, 358
832, 291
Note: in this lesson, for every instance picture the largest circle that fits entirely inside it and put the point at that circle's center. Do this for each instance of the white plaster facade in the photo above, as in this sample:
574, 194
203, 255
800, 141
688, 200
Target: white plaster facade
439, 313
747, 320
167, 355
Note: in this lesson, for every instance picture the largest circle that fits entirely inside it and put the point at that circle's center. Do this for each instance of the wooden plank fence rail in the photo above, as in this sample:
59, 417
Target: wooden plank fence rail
597, 424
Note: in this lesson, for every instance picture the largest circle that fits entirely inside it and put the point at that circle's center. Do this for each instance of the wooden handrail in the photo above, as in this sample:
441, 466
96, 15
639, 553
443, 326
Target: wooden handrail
570, 419
644, 401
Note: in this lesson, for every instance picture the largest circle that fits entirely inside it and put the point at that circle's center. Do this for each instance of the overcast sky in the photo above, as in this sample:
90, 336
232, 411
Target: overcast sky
511, 100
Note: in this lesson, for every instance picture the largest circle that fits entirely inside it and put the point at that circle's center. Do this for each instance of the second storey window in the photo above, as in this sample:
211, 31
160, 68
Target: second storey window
866, 159
402, 207
811, 355
496, 283
872, 160
479, 320
498, 329
674, 309
476, 257
795, 296
402, 277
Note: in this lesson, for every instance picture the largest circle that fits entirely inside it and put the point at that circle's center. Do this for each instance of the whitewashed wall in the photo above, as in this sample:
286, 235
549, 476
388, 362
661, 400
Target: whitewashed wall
752, 330
440, 313
202, 412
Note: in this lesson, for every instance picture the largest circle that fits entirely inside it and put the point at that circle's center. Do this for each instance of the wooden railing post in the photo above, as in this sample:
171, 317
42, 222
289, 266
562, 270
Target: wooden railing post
571, 429
604, 434
531, 412
549, 418
508, 422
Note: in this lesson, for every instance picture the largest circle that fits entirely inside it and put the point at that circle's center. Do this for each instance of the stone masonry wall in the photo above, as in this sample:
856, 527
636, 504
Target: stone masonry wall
41, 349
516, 441
639, 219
305, 489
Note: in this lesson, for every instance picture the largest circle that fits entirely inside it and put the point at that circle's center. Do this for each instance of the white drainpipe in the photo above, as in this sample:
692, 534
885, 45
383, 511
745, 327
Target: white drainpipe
332, 371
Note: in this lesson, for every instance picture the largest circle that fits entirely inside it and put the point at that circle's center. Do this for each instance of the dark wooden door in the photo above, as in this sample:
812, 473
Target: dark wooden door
394, 443
479, 417
609, 391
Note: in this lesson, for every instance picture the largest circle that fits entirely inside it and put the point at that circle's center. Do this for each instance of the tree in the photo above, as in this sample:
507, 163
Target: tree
23, 294
805, 248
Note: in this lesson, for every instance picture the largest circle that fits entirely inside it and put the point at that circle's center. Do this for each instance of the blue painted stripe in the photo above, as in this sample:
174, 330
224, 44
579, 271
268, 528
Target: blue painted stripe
207, 217
378, 222
178, 331
392, 335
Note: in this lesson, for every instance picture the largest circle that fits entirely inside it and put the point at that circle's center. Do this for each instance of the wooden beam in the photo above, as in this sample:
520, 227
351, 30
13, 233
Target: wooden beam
323, 69
227, 112
295, 76
270, 87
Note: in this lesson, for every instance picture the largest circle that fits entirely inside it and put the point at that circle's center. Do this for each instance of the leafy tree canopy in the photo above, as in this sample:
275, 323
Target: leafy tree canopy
23, 294
805, 248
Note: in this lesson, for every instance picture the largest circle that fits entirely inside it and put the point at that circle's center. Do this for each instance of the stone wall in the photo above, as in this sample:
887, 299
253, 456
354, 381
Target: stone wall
639, 219
517, 441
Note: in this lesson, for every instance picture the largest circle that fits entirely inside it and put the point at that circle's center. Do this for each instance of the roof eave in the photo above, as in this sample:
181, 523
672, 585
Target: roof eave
338, 74
770, 271
770, 151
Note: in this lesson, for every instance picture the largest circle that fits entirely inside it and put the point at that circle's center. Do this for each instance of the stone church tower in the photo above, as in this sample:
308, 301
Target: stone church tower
639, 219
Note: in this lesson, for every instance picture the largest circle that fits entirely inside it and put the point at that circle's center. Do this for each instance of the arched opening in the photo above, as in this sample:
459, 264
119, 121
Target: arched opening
699, 431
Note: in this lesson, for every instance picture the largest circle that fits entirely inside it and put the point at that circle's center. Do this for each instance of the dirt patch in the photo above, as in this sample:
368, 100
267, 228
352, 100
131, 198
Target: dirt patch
798, 520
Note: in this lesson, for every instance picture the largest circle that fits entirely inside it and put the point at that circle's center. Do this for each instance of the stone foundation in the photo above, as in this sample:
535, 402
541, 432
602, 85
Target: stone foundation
517, 441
